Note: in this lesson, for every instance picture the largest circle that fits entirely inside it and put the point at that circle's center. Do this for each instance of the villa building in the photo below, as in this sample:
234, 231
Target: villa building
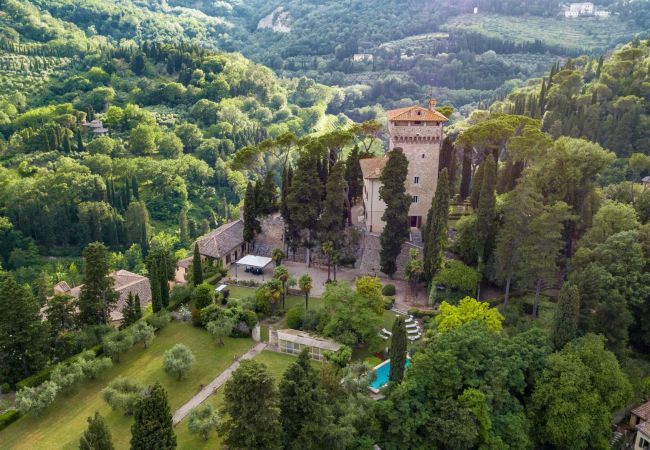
418, 132
294, 341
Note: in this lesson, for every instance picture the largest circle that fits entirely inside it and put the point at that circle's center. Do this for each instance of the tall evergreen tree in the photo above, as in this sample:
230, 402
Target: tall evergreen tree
435, 239
129, 313
332, 221
567, 314
446, 152
304, 410
304, 199
138, 229
466, 174
197, 266
395, 217
486, 215
353, 174
137, 307
154, 282
269, 195
251, 409
152, 428
97, 295
80, 142
477, 183
397, 351
97, 436
251, 223
23, 335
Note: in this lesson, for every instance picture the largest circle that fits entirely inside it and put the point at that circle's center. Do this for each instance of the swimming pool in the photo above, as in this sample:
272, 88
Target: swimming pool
382, 372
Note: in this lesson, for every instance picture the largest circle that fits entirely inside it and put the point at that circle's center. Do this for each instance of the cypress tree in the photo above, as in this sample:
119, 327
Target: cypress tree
80, 142
128, 311
332, 220
152, 428
251, 224
269, 195
445, 155
97, 436
565, 322
197, 266
163, 273
304, 199
137, 307
134, 188
154, 282
397, 351
97, 295
485, 220
435, 239
304, 410
395, 217
600, 67
67, 146
477, 183
466, 174
542, 98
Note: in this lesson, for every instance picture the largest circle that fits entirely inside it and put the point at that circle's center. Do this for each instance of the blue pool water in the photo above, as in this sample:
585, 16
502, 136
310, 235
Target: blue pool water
383, 371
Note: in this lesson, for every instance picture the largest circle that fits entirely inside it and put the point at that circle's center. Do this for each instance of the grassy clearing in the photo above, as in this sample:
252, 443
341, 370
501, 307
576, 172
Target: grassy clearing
584, 33
61, 425
277, 363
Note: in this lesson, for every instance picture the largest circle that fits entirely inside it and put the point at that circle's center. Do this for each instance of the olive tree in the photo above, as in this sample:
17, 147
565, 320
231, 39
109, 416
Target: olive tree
178, 360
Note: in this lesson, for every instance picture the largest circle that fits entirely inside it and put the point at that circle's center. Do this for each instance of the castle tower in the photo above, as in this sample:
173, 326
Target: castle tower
418, 132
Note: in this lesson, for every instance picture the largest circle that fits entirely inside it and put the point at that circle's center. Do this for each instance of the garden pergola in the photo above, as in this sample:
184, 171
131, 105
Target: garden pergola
253, 261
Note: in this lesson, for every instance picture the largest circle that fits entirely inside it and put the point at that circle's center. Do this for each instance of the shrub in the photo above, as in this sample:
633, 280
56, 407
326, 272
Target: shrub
203, 295
8, 417
196, 317
5, 388
212, 313
183, 314
310, 320
456, 275
143, 332
67, 375
36, 399
388, 290
92, 365
180, 294
159, 320
202, 419
122, 394
116, 343
178, 360
421, 313
35, 380
388, 302
295, 317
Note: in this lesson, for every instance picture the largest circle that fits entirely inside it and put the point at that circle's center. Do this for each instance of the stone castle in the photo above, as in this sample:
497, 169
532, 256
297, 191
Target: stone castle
418, 132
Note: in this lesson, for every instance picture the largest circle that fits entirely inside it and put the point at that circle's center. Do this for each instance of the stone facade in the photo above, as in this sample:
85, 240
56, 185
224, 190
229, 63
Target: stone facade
418, 132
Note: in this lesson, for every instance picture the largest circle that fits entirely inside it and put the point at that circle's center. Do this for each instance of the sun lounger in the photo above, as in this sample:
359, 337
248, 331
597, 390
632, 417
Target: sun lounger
411, 325
383, 336
416, 331
386, 332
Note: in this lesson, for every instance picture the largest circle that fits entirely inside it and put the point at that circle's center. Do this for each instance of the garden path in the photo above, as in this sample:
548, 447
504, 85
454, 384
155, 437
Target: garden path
215, 384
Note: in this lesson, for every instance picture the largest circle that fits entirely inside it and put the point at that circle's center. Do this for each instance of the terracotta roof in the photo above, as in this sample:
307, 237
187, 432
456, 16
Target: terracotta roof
124, 282
372, 167
644, 427
223, 240
61, 287
642, 411
416, 112
185, 262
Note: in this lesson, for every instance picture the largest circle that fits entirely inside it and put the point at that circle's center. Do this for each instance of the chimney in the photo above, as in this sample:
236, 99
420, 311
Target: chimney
432, 104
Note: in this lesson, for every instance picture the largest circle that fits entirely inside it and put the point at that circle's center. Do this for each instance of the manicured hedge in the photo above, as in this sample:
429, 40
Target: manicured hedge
421, 313
388, 290
8, 417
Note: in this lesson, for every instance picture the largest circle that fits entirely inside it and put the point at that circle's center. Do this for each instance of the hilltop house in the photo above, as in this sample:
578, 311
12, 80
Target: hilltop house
222, 246
124, 282
585, 9
96, 126
418, 132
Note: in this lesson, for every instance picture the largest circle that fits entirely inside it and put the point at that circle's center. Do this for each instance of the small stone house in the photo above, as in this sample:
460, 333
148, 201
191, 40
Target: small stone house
223, 246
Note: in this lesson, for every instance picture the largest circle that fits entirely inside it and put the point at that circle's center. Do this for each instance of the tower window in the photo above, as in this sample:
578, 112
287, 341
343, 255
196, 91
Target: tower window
422, 155
416, 180
415, 199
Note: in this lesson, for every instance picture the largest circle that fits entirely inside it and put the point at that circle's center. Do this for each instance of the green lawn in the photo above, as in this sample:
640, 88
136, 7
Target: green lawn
277, 363
61, 425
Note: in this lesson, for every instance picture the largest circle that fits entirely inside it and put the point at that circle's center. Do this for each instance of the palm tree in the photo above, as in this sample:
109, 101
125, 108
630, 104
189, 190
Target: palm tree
282, 273
305, 284
277, 256
328, 249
